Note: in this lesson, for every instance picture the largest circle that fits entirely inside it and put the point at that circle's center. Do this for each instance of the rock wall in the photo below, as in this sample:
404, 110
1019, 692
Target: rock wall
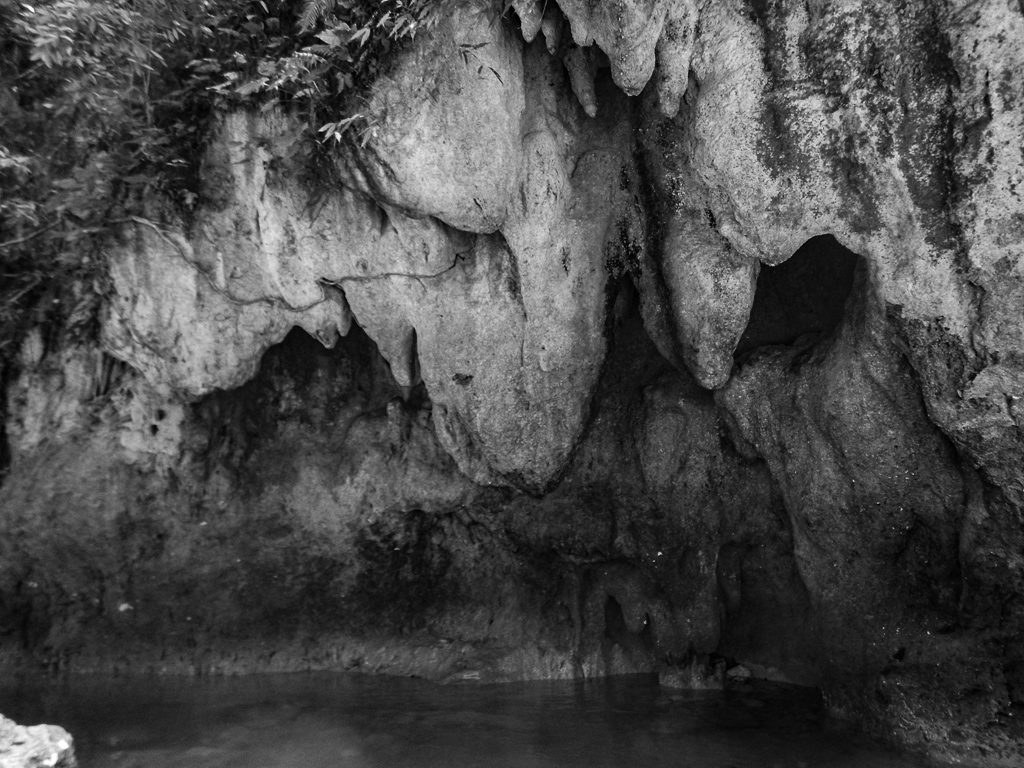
648, 333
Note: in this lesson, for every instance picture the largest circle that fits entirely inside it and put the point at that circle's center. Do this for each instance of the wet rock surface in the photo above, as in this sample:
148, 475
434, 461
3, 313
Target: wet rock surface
659, 336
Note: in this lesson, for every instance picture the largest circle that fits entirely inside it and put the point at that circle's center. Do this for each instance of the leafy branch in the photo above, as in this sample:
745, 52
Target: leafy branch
339, 47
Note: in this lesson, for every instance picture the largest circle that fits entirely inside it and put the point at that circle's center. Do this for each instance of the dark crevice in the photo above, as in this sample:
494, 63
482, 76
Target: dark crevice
803, 300
631, 362
637, 644
510, 269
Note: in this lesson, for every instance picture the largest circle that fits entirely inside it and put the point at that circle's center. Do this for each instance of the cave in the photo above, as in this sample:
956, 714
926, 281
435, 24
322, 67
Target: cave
801, 301
485, 382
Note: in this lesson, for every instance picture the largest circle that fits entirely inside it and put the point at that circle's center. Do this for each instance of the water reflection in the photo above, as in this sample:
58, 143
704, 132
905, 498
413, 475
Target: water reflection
309, 721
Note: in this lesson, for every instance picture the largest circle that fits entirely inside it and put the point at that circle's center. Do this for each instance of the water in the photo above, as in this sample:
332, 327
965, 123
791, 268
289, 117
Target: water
351, 721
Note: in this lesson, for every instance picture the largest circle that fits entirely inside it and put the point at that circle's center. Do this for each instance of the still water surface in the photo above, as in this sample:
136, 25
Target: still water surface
353, 721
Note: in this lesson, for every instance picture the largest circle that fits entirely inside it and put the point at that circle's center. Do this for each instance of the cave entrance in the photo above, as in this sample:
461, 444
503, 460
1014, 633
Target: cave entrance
802, 300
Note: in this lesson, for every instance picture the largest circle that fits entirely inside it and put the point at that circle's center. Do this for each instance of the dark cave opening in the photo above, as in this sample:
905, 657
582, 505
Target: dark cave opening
640, 644
353, 362
306, 385
802, 300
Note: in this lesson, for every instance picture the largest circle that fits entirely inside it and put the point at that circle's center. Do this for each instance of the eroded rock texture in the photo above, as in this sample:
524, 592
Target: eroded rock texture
649, 332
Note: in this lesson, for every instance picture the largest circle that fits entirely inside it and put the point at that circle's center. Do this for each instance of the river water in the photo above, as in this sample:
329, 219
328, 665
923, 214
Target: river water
355, 721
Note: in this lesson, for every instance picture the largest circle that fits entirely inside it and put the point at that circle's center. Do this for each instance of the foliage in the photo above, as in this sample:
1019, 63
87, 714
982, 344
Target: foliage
339, 46
80, 131
105, 101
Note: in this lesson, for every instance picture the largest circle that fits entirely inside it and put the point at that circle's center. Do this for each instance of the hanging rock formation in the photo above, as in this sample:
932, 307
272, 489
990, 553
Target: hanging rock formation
469, 241
658, 329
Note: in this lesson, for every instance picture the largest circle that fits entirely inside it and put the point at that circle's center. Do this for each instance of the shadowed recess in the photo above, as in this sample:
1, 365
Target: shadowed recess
801, 300
639, 645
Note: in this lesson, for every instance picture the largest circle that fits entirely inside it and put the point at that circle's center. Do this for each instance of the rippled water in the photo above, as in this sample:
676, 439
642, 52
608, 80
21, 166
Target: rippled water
351, 721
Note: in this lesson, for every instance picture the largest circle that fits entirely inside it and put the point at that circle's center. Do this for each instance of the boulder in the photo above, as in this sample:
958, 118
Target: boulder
35, 746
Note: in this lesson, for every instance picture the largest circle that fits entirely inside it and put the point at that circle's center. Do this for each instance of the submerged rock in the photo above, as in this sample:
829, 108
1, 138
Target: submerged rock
697, 676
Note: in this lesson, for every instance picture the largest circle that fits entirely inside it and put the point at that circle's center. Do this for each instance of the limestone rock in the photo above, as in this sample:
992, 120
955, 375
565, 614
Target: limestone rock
580, 66
871, 486
501, 200
47, 400
444, 131
987, 51
263, 236
626, 30
697, 296
36, 746
167, 320
505, 329
531, 16
802, 120
674, 50
632, 35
